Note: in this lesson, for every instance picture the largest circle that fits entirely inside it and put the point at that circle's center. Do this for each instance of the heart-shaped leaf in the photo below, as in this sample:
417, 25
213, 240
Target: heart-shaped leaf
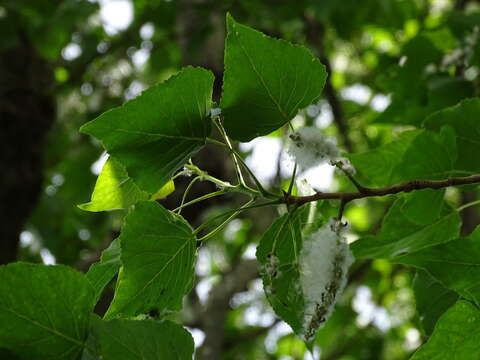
266, 81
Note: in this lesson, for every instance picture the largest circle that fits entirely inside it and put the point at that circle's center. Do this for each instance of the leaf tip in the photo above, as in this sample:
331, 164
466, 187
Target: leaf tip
84, 128
83, 206
230, 22
90, 207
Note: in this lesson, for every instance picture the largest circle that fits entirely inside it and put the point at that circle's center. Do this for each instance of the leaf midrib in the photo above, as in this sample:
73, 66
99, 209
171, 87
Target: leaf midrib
47, 328
156, 275
262, 80
393, 244
160, 135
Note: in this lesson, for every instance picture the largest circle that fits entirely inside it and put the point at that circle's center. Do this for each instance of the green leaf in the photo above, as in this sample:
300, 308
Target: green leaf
164, 191
303, 267
423, 207
432, 299
44, 310
463, 118
156, 133
379, 164
91, 350
429, 156
455, 264
283, 242
158, 255
399, 235
409, 83
116, 190
456, 335
446, 91
143, 339
418, 154
266, 81
102, 272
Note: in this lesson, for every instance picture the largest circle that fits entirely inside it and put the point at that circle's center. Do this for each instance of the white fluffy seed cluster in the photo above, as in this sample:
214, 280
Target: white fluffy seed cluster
324, 261
304, 188
309, 147
344, 164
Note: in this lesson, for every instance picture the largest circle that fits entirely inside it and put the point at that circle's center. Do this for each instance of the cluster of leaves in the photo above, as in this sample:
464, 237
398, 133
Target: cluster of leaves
151, 138
148, 140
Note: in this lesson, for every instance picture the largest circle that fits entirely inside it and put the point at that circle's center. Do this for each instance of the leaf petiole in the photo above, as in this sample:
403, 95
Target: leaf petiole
260, 187
238, 160
216, 142
292, 180
201, 198
467, 205
246, 206
225, 222
222, 131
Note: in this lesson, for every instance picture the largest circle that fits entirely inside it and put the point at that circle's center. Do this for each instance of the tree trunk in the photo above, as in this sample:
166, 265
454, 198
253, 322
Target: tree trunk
27, 111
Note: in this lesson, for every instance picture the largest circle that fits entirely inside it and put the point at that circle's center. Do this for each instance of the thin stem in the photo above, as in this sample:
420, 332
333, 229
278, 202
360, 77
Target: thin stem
177, 175
467, 205
201, 198
292, 180
260, 187
237, 159
343, 203
291, 126
339, 165
225, 222
222, 184
205, 176
216, 142
219, 216
185, 193
222, 131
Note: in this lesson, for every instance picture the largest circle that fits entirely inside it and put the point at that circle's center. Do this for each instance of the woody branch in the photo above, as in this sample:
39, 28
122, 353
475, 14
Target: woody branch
403, 187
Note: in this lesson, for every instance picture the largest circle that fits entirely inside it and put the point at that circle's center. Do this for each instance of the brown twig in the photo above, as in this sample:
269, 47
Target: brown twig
404, 187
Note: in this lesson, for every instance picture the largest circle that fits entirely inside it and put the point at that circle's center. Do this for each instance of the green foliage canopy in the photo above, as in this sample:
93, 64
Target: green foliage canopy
267, 82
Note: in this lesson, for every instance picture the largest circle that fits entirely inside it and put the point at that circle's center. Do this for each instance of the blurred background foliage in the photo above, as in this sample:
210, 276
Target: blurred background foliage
63, 62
